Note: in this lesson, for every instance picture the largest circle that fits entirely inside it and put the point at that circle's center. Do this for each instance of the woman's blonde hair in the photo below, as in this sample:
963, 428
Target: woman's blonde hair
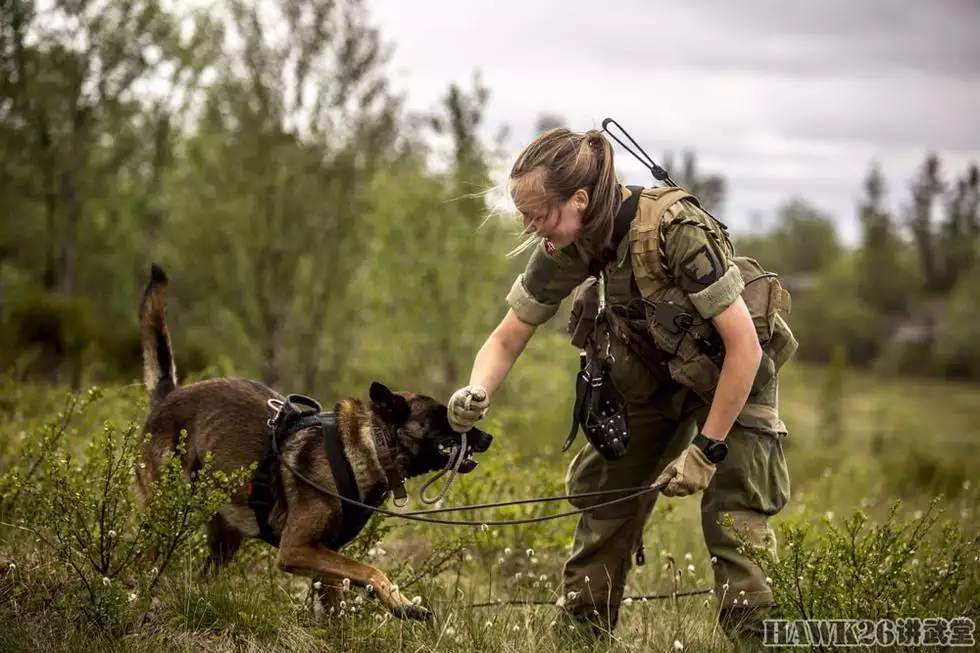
555, 165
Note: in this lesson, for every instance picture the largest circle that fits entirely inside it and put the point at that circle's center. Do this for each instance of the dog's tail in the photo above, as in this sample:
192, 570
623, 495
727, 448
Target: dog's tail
159, 369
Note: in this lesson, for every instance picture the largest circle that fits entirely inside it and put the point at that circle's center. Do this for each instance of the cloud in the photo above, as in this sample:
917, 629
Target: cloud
783, 99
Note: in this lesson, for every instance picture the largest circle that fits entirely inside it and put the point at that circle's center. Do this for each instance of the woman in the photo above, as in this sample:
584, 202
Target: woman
565, 187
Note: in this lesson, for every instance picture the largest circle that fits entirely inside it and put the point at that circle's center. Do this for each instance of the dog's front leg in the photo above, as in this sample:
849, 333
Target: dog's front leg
332, 567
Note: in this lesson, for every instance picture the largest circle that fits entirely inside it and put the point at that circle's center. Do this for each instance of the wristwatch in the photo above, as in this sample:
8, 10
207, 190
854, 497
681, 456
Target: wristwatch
714, 450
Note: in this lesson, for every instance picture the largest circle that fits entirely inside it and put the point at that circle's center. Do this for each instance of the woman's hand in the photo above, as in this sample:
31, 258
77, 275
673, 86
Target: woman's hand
494, 361
467, 406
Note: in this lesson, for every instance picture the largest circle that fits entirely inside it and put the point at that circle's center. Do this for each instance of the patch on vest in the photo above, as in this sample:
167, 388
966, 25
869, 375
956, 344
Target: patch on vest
700, 267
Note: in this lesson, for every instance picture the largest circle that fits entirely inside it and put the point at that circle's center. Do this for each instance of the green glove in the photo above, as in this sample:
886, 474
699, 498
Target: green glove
690, 472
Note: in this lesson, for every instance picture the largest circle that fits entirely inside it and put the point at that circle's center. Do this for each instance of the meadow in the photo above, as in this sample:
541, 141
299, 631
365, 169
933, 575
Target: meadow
882, 524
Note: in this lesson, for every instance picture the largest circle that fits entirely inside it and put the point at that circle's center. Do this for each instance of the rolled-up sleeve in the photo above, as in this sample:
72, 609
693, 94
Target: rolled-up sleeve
700, 260
548, 279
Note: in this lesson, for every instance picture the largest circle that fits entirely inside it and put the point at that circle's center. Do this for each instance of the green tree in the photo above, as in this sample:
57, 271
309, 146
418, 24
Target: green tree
269, 201
886, 276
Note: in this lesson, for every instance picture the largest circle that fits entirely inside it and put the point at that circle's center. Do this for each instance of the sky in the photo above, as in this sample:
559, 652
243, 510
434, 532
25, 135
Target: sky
784, 99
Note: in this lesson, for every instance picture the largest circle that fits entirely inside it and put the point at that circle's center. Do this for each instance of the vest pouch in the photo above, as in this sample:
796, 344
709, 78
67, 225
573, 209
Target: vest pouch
674, 330
637, 369
764, 296
585, 308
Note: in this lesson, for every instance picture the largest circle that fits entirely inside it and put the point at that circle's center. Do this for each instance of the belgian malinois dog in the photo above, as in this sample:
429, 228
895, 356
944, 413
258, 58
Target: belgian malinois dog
393, 437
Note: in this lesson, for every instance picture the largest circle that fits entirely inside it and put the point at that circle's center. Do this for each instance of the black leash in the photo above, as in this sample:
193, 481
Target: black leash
645, 597
416, 515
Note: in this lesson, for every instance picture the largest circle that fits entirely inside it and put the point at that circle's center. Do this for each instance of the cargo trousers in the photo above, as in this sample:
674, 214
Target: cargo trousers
749, 486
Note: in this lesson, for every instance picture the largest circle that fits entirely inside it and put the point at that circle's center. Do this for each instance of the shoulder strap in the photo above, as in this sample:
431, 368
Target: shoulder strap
353, 517
621, 226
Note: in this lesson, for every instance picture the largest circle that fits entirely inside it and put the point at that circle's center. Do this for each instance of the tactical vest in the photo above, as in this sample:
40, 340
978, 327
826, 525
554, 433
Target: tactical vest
688, 347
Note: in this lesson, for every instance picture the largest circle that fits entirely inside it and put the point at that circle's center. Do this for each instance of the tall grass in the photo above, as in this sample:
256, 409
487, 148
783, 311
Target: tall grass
882, 524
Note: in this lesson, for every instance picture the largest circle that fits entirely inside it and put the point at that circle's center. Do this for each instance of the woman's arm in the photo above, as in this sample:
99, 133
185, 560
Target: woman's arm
500, 351
742, 357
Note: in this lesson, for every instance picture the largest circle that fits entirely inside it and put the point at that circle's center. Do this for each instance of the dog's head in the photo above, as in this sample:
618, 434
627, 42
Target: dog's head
422, 434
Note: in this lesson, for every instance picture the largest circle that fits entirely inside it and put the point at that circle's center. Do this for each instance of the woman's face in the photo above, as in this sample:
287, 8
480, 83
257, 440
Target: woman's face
560, 225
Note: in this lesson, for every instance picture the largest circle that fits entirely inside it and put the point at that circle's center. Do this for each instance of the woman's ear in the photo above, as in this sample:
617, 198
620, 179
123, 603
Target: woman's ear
581, 199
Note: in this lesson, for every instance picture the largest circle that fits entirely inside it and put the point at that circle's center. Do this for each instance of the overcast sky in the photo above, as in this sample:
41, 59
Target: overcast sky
783, 98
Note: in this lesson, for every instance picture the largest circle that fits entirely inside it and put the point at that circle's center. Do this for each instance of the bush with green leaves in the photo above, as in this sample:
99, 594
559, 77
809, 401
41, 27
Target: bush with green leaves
918, 566
81, 508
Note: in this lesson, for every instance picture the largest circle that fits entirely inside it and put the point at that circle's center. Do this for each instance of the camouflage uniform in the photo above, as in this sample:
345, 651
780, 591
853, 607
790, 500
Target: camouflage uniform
750, 485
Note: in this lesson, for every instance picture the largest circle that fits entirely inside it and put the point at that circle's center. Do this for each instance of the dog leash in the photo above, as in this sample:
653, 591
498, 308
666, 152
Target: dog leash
417, 515
452, 466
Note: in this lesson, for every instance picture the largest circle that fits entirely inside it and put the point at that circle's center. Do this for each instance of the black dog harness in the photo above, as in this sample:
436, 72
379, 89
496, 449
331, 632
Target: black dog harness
265, 487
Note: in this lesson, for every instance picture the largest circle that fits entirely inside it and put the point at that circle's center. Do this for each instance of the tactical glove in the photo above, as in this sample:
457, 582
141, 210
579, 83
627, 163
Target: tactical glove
690, 472
467, 406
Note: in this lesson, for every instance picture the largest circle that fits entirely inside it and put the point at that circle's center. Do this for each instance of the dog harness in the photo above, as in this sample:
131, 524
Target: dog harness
265, 487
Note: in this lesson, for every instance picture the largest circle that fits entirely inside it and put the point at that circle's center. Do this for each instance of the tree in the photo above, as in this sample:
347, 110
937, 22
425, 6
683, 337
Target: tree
708, 188
885, 279
269, 202
926, 187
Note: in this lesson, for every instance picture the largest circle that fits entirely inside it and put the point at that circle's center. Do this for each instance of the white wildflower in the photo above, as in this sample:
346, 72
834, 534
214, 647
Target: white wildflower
690, 568
529, 553
714, 560
768, 580
516, 627
106, 581
507, 551
484, 528
132, 596
112, 533
450, 631
587, 579
678, 645
346, 584
627, 601
417, 600
317, 585
688, 556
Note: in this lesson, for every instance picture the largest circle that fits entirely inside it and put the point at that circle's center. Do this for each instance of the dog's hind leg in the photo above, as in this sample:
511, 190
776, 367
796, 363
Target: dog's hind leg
224, 541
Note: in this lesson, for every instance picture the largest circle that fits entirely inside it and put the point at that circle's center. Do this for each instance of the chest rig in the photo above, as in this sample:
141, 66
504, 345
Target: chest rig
600, 408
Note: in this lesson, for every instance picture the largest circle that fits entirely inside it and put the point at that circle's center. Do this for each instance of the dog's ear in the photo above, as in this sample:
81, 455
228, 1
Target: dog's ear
392, 408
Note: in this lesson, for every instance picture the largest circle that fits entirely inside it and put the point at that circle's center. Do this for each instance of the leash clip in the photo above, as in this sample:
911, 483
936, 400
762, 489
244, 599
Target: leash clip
276, 405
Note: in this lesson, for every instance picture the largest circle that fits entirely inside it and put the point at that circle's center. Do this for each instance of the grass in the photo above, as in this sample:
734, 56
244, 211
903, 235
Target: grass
857, 443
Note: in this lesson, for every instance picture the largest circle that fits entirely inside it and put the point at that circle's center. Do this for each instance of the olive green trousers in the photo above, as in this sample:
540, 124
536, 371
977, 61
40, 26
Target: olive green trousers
750, 486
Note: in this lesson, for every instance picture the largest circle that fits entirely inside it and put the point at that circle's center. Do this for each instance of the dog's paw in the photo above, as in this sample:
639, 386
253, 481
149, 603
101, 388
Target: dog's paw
412, 611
